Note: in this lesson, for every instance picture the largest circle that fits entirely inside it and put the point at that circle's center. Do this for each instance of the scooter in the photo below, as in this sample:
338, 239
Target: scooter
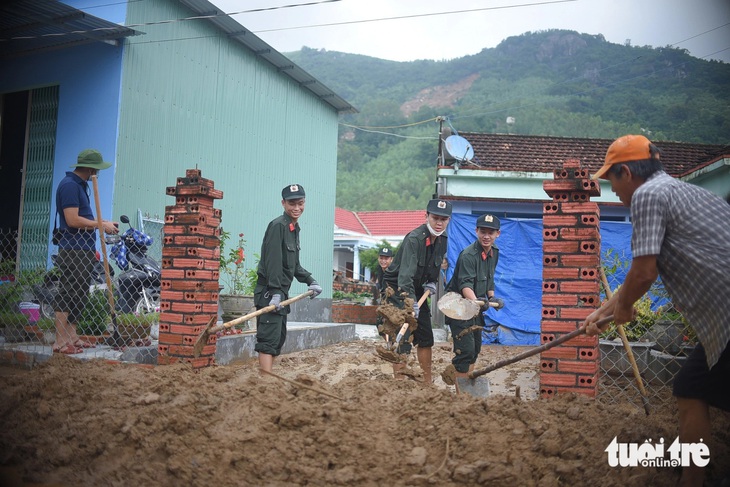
137, 288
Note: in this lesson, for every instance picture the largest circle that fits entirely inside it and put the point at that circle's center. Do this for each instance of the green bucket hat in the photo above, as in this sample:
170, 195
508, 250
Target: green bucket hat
91, 158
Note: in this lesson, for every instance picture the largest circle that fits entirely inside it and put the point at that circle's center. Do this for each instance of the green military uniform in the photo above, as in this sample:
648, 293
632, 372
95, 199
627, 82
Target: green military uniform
278, 266
474, 269
416, 263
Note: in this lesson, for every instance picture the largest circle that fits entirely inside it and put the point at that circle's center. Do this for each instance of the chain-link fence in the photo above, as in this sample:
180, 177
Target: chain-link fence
659, 337
66, 306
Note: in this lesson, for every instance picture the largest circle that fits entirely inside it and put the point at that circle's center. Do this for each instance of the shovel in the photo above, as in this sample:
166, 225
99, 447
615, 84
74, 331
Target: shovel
211, 329
479, 387
457, 307
116, 339
627, 346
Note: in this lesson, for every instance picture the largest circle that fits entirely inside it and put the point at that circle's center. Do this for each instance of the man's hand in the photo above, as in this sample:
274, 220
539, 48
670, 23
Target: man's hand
110, 228
430, 287
315, 288
497, 303
276, 301
415, 309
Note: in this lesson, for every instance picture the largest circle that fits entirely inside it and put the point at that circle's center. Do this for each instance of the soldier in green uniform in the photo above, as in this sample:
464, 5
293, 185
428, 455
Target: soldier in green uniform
415, 268
474, 279
278, 266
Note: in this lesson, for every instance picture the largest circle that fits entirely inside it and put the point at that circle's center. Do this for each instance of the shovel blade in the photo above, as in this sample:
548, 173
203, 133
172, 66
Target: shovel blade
457, 307
478, 387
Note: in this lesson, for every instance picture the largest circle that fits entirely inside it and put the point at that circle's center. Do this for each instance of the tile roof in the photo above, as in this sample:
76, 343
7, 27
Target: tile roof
395, 223
347, 220
531, 153
379, 223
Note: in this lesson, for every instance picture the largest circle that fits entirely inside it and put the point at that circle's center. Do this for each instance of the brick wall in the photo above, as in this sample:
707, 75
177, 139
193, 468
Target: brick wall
353, 287
571, 255
190, 262
354, 313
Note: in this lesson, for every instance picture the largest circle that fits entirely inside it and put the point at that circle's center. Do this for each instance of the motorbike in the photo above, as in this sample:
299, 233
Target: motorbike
136, 288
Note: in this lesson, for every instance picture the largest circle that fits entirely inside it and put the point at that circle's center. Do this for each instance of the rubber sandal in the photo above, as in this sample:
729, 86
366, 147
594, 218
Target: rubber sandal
68, 349
83, 344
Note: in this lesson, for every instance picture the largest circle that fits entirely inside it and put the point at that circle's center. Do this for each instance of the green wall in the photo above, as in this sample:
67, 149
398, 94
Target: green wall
192, 98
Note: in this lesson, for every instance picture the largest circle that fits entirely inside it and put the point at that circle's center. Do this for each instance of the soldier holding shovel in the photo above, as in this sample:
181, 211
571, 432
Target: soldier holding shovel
474, 279
414, 270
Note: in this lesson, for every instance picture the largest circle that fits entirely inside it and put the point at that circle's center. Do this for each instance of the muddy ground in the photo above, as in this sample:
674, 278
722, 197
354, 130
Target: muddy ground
95, 424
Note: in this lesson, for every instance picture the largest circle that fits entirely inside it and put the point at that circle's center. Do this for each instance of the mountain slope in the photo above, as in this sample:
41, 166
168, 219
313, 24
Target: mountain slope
555, 82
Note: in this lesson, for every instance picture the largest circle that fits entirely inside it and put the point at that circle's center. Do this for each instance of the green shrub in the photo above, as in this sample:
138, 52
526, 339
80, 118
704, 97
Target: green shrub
95, 317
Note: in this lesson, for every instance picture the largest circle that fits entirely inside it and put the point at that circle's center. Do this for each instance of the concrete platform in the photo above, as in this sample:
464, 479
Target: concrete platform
300, 336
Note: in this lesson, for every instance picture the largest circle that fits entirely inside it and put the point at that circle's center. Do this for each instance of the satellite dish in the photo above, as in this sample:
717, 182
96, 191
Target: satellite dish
458, 148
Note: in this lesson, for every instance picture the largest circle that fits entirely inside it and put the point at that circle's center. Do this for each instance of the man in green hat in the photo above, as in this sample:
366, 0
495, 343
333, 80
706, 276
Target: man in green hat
76, 248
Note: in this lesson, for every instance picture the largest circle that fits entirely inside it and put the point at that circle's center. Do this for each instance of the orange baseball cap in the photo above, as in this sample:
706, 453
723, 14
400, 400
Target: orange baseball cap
625, 149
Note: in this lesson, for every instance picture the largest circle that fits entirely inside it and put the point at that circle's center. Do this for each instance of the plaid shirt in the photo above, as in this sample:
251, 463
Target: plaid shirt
688, 229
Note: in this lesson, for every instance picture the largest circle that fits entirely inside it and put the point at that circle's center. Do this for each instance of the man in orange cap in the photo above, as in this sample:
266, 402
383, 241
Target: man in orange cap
680, 232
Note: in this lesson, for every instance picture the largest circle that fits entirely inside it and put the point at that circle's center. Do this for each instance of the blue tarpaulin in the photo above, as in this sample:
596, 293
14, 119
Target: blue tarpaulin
518, 278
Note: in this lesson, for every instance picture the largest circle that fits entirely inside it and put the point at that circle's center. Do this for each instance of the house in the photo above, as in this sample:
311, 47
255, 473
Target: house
506, 172
185, 86
504, 175
356, 231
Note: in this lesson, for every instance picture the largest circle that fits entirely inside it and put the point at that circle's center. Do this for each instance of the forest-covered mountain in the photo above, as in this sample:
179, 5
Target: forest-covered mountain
557, 82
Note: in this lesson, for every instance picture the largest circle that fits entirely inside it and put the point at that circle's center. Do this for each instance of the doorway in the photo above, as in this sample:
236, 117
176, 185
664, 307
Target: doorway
27, 147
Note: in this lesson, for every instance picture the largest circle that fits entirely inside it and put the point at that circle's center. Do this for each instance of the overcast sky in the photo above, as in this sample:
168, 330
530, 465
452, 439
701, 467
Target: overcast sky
481, 24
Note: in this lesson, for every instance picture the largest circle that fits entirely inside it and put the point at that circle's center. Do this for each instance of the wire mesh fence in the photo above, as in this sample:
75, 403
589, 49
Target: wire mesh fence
659, 337
67, 305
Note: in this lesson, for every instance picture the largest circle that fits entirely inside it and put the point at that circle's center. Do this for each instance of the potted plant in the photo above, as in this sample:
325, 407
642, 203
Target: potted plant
236, 298
136, 326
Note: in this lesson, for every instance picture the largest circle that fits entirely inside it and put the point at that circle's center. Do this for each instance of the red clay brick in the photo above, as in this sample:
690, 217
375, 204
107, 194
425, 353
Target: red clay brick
549, 273
550, 260
182, 263
584, 234
550, 208
588, 208
549, 286
587, 353
581, 287
584, 367
580, 260
559, 221
560, 247
550, 234
559, 300
548, 365
555, 326
556, 379
560, 352
585, 391
576, 313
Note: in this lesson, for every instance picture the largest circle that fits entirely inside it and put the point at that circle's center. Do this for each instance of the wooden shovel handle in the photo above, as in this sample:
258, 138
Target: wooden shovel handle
540, 349
100, 225
627, 346
258, 312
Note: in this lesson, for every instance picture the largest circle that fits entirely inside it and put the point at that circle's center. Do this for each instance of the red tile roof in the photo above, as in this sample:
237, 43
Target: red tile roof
395, 223
530, 153
346, 220
379, 223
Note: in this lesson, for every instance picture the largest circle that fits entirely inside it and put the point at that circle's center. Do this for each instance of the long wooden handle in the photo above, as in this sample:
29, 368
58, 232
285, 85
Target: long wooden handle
540, 349
100, 226
258, 312
627, 345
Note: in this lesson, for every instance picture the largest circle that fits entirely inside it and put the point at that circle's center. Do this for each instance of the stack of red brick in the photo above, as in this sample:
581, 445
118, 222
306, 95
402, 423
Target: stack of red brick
571, 255
190, 263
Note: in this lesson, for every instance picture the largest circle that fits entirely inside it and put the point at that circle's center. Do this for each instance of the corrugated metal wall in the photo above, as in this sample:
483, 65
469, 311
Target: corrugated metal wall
38, 178
193, 98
